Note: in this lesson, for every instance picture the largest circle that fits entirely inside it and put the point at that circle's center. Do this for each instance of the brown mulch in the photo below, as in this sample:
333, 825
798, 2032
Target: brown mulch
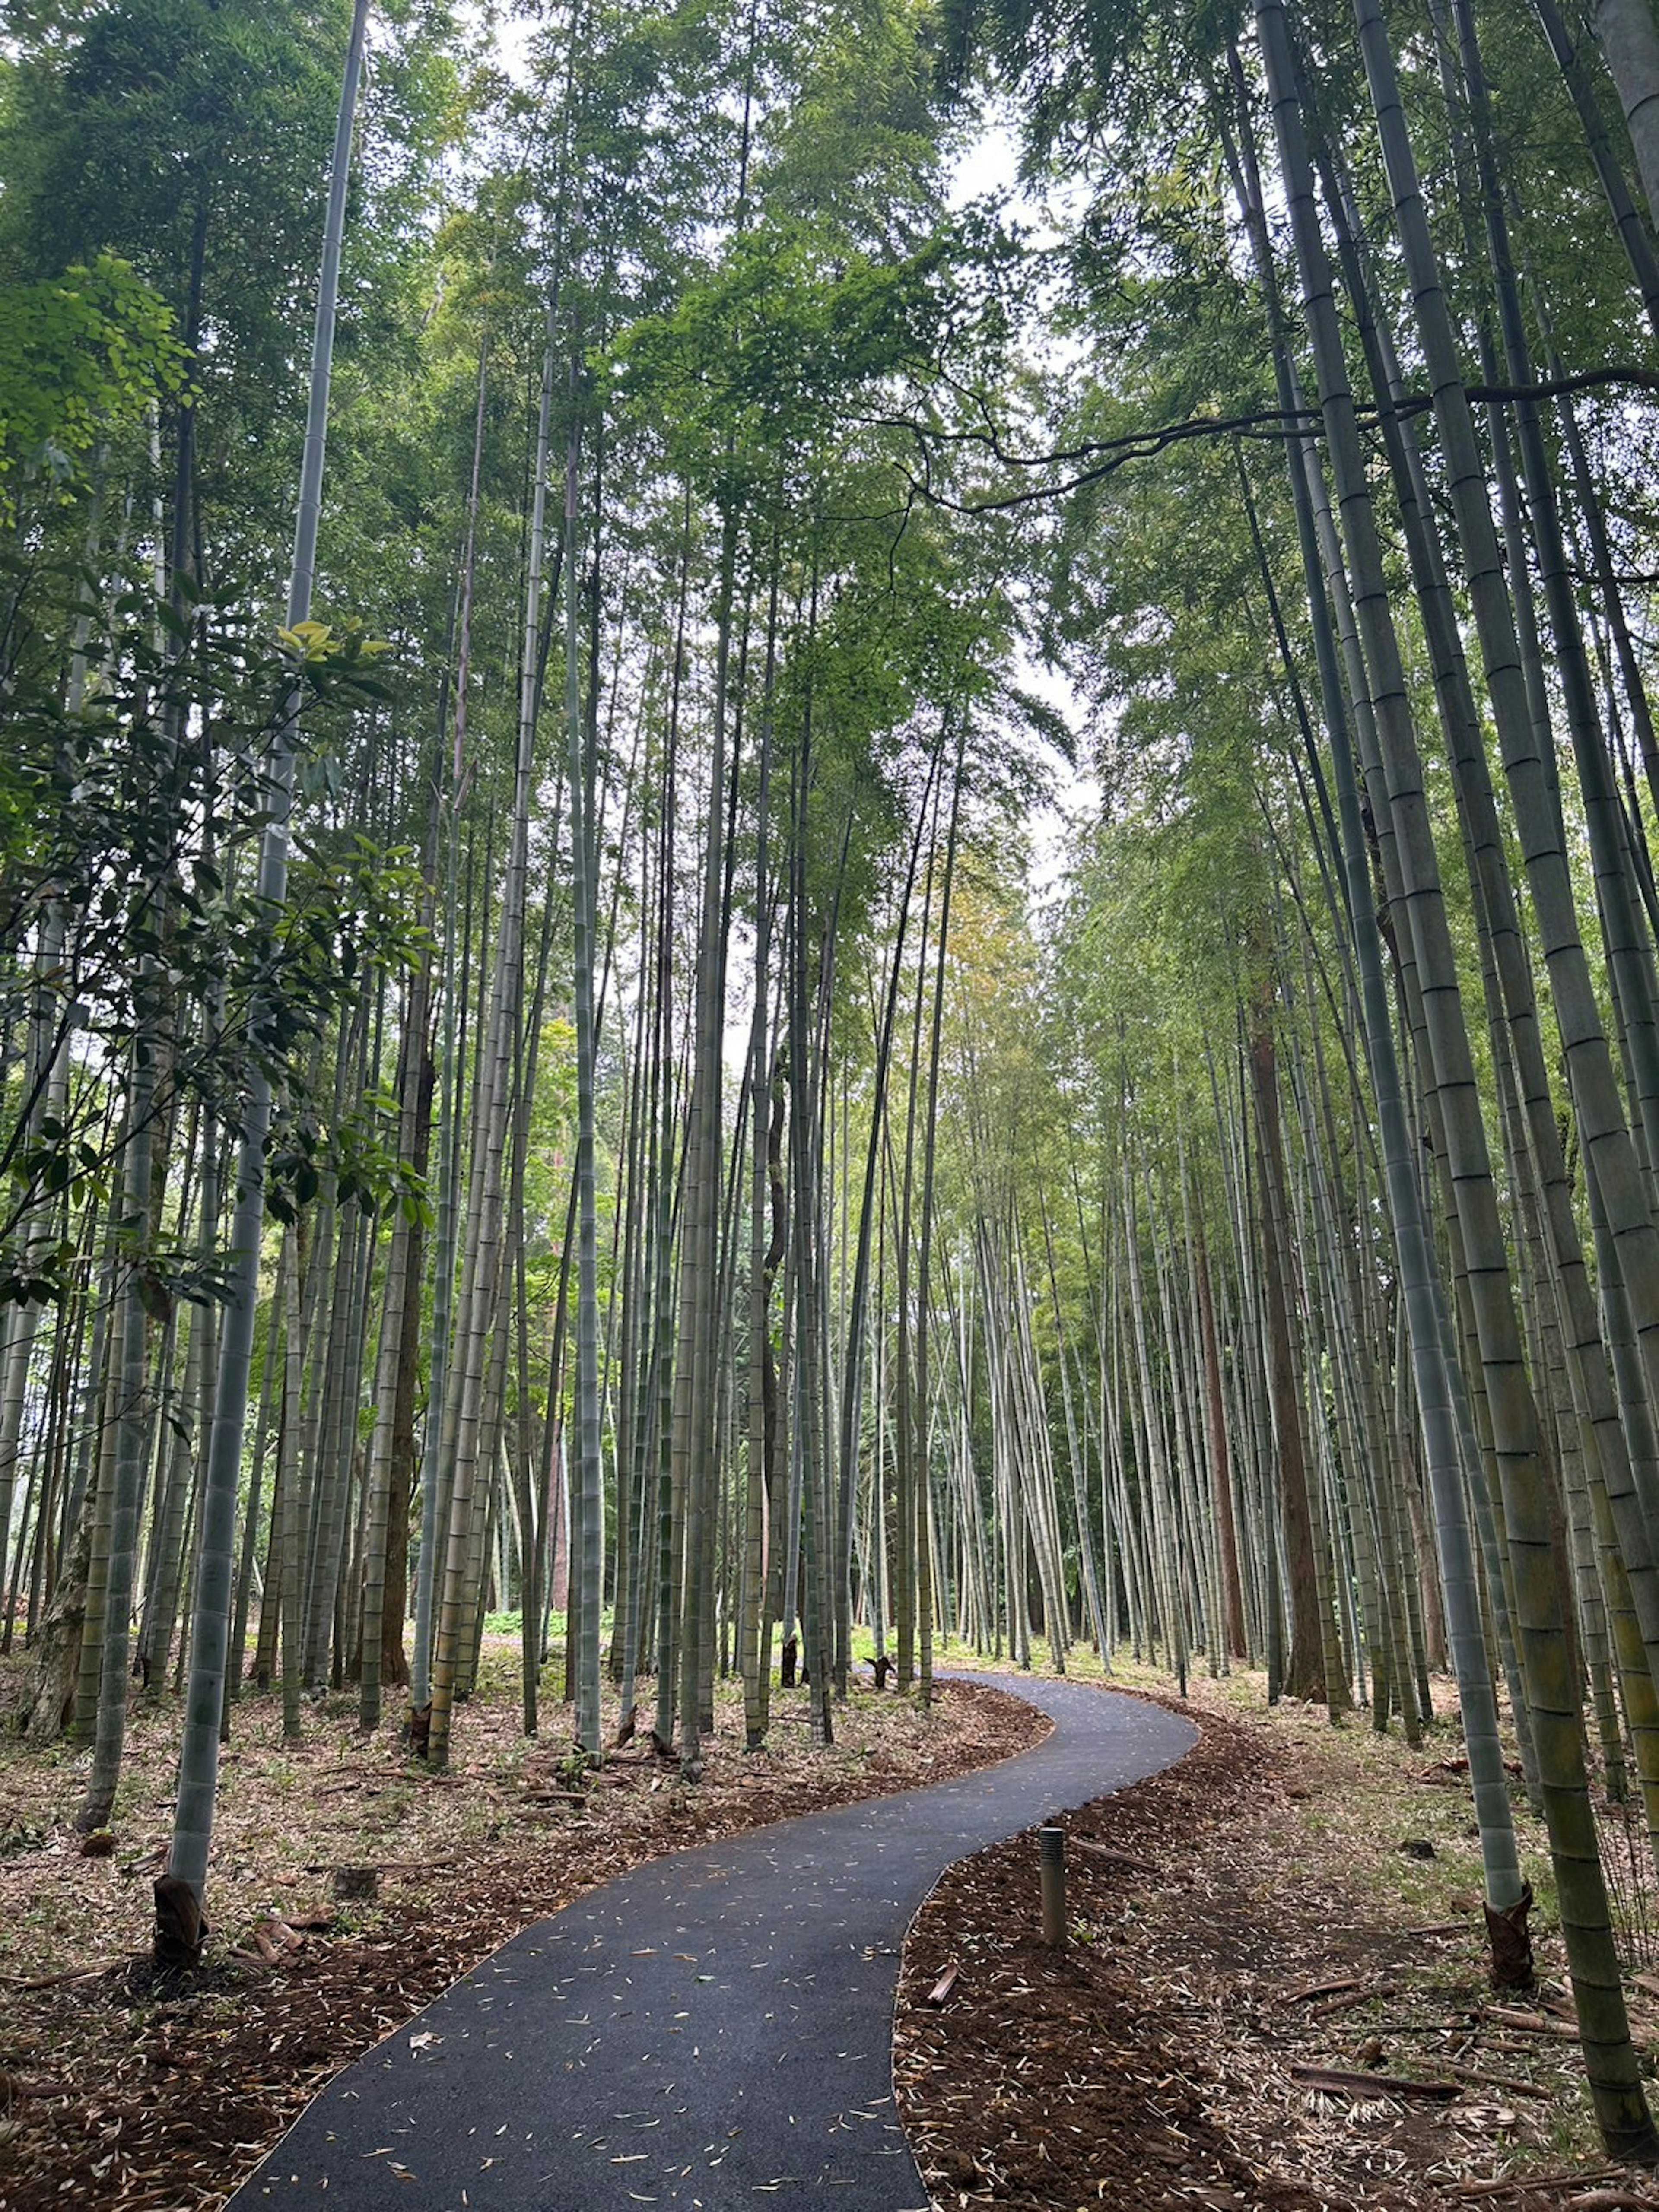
117, 2090
1216, 1942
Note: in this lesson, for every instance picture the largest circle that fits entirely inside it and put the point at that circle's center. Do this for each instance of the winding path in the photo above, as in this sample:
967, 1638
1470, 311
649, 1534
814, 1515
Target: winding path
713, 2028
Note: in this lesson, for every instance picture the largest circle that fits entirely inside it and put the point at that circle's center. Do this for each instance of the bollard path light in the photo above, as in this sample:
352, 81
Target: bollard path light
1051, 1845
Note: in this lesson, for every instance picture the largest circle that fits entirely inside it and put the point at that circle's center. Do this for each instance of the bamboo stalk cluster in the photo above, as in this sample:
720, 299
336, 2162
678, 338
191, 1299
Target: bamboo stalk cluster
588, 1124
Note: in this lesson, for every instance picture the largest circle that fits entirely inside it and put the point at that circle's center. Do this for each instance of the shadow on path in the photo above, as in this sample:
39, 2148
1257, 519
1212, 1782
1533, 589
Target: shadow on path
713, 2030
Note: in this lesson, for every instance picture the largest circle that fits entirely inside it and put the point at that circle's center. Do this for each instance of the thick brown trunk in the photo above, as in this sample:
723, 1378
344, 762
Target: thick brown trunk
1233, 1587
1304, 1675
394, 1663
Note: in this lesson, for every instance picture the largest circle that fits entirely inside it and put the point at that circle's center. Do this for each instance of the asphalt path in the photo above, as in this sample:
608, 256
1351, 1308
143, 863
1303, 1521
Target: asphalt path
714, 2029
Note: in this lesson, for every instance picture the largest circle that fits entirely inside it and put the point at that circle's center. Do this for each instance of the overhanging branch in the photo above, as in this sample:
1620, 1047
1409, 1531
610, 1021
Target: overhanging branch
1108, 455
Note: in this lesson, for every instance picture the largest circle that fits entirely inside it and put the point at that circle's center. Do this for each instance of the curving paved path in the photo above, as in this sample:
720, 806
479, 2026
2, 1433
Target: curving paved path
711, 2030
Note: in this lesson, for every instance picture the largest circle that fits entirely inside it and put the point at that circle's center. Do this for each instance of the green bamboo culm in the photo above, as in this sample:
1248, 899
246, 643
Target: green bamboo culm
198, 1762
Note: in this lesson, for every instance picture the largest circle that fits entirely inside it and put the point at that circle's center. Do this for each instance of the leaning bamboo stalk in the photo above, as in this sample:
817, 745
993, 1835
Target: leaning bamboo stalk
199, 1754
1433, 1373
1610, 2059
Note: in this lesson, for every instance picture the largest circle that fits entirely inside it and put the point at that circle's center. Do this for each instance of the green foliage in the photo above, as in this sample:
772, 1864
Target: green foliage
358, 1155
81, 357
780, 340
191, 139
132, 816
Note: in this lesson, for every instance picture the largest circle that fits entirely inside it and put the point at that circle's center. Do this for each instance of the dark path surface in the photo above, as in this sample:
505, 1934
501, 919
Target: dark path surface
711, 2030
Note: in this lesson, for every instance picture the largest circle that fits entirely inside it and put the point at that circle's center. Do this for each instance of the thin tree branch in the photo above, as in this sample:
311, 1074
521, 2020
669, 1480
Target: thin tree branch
1140, 445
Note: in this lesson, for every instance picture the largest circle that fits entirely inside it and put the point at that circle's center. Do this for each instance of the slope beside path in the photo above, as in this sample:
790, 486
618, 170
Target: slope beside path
710, 2030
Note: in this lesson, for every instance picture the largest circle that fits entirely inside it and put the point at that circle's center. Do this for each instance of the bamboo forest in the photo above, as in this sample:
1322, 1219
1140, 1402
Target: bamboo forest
827, 855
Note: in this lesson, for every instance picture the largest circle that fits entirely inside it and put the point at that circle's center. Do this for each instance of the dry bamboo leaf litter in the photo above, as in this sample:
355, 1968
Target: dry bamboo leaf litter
1186, 2000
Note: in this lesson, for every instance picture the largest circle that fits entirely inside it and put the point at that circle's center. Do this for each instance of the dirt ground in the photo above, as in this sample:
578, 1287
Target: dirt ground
1226, 1927
1248, 1912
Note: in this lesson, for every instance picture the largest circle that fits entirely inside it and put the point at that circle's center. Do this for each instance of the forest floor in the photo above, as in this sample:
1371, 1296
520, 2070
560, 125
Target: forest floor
1248, 1911
1291, 1899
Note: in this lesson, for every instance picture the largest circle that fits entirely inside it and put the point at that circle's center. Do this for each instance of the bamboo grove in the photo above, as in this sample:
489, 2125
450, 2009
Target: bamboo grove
538, 1077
